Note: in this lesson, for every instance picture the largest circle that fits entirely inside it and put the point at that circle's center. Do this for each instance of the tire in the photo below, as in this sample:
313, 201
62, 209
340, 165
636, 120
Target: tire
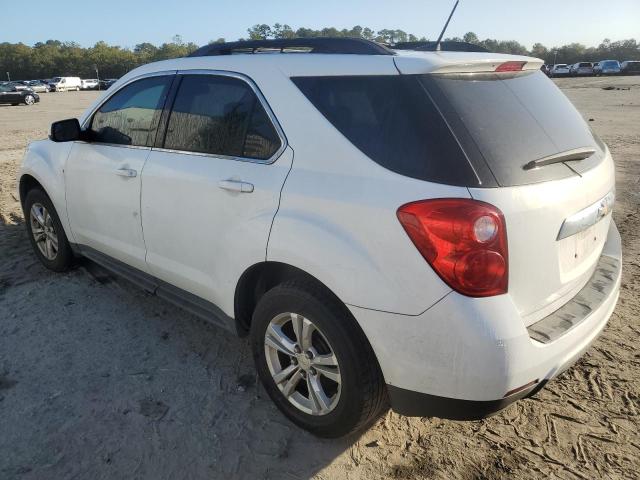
29, 99
62, 260
360, 396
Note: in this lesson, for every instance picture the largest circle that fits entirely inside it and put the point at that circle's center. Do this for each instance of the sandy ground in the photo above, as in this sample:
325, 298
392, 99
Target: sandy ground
99, 380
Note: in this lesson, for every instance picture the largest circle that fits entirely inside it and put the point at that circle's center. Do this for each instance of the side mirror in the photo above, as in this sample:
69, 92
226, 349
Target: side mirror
66, 130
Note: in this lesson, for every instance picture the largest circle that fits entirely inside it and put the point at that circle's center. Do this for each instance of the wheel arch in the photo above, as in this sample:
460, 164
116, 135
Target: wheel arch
28, 182
261, 277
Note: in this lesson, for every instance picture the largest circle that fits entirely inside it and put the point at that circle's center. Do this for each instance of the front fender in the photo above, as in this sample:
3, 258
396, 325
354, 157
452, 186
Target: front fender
45, 160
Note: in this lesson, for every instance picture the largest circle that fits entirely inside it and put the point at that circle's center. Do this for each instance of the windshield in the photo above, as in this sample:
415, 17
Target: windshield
609, 63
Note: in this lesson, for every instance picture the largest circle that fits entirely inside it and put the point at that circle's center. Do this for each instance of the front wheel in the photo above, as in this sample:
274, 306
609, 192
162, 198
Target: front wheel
45, 231
314, 361
29, 100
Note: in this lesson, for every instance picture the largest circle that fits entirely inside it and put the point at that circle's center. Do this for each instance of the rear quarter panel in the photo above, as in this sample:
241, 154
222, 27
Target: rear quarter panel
337, 217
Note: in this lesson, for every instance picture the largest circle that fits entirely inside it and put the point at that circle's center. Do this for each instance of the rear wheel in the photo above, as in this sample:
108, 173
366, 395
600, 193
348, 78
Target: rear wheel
29, 100
45, 231
314, 361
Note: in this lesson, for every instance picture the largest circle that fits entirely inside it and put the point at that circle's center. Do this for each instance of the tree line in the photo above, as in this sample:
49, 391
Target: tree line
53, 57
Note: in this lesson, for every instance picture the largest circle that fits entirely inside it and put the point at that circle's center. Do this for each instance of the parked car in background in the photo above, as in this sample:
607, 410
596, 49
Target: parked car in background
630, 67
11, 95
581, 69
89, 84
607, 67
443, 257
107, 82
18, 85
64, 84
38, 86
560, 70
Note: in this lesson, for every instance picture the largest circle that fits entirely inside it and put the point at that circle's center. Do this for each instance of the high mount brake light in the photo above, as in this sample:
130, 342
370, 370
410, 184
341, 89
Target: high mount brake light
510, 67
464, 241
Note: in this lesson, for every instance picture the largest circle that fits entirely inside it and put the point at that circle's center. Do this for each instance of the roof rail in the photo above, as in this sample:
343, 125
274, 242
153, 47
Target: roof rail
447, 46
307, 45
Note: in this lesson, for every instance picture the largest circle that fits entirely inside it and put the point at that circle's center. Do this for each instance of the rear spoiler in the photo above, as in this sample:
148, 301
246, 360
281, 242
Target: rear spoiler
412, 62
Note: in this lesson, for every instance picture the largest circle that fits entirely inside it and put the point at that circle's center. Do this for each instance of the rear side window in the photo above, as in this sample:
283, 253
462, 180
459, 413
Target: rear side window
392, 120
222, 116
131, 116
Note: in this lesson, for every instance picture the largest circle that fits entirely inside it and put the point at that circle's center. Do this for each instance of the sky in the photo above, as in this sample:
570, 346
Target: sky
129, 22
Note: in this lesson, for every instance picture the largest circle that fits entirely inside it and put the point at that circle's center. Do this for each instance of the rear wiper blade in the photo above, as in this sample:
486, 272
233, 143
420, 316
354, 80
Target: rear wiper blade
567, 156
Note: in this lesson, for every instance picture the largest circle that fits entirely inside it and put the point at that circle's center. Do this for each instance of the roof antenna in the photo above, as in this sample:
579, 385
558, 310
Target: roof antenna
446, 25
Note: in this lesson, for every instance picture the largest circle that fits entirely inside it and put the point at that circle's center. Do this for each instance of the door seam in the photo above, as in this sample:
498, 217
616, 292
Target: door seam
266, 248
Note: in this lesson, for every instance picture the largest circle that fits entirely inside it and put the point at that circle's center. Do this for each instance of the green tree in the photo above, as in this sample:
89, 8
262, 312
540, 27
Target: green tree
540, 51
471, 37
259, 32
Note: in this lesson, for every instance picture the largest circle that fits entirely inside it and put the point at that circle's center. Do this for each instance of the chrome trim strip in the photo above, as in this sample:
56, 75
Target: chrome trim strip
269, 161
587, 217
121, 145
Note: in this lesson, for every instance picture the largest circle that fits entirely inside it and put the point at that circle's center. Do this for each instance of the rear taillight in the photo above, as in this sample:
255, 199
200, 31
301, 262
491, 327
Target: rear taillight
510, 67
465, 241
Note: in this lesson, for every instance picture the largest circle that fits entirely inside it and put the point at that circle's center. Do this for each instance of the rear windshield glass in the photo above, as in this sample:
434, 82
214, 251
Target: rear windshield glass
392, 120
513, 119
584, 65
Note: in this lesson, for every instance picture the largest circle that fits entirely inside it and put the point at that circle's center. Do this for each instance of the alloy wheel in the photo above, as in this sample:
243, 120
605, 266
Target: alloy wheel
302, 364
43, 231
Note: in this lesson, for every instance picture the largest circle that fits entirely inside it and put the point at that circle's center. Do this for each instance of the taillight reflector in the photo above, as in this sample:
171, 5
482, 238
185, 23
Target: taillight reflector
464, 241
510, 67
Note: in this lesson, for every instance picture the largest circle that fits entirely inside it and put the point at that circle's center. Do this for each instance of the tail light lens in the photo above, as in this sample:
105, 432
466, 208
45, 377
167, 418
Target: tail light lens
465, 241
510, 66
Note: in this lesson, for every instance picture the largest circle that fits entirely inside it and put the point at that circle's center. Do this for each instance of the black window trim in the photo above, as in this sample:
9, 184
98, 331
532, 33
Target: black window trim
219, 73
89, 117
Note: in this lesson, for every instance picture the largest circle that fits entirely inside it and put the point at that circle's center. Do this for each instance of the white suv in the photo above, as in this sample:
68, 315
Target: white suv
427, 229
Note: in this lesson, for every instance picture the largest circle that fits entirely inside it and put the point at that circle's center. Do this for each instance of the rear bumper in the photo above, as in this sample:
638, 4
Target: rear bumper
462, 357
416, 404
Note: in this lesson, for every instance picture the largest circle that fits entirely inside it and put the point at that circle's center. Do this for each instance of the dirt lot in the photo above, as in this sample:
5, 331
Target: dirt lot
98, 380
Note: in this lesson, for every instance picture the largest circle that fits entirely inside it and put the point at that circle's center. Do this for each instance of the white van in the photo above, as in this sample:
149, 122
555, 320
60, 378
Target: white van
62, 84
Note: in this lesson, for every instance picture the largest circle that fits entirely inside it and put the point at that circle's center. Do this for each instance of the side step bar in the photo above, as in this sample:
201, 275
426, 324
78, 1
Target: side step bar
181, 298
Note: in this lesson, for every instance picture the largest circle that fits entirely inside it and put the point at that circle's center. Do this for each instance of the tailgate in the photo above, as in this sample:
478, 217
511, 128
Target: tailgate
523, 129
545, 272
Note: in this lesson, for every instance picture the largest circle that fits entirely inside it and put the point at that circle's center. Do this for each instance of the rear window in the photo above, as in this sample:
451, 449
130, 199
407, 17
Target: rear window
584, 65
511, 119
393, 121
